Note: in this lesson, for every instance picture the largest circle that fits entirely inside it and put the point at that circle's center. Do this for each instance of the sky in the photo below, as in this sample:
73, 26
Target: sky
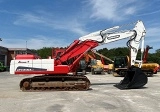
57, 23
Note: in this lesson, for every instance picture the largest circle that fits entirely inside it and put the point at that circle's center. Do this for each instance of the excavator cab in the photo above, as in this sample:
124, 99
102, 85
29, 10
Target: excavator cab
120, 65
121, 62
134, 78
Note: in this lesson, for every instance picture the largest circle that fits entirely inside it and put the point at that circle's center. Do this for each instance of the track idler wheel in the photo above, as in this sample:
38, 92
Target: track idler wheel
133, 79
25, 85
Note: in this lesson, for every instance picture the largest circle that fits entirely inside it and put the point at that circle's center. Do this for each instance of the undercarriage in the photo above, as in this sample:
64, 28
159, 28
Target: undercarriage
55, 83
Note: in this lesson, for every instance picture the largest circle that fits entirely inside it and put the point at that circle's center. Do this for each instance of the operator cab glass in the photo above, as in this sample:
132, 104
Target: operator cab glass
93, 62
120, 62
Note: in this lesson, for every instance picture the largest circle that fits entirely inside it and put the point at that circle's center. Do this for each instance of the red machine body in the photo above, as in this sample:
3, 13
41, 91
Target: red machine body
146, 53
67, 61
27, 56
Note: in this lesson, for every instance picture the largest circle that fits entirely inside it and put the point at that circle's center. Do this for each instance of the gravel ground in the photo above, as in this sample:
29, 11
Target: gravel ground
103, 97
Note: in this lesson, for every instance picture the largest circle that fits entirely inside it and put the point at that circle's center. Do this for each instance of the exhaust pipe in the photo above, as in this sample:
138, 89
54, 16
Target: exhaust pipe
134, 79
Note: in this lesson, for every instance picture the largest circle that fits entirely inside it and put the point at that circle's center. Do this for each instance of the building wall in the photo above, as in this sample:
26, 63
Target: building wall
3, 55
12, 52
8, 54
10, 57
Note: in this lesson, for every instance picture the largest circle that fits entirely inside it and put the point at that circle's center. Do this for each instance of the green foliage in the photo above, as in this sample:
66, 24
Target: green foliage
158, 51
124, 51
114, 52
154, 57
44, 52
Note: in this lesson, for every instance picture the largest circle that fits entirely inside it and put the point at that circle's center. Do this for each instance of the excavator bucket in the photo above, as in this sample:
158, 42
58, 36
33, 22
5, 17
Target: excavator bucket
134, 79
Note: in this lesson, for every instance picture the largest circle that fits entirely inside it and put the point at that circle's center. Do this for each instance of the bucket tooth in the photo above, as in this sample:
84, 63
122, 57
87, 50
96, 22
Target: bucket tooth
134, 79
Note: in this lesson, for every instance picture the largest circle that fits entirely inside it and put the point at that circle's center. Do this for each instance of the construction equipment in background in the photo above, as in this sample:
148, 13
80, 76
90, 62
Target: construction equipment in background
97, 67
145, 56
93, 64
57, 70
107, 67
102, 57
90, 63
110, 68
148, 65
121, 64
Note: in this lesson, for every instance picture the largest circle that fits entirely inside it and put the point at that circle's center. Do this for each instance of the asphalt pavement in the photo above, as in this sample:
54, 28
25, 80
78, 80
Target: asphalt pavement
102, 96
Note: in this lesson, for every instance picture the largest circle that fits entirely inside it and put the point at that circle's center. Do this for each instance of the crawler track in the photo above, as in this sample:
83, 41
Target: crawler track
55, 83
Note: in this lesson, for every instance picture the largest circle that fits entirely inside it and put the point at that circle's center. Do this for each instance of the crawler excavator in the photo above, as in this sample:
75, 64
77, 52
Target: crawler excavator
56, 71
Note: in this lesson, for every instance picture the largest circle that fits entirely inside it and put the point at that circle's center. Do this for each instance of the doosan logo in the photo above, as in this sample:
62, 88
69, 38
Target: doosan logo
23, 61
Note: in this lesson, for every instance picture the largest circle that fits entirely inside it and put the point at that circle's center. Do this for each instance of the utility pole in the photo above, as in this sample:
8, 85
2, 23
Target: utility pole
0, 40
26, 47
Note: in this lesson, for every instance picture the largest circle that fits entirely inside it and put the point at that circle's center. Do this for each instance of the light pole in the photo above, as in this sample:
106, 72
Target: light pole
26, 47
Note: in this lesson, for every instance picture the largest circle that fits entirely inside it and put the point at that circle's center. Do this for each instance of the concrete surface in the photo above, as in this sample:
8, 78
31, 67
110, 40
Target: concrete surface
103, 97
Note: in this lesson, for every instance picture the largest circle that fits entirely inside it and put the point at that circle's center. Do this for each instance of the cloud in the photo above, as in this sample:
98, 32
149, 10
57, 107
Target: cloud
152, 37
130, 11
150, 13
36, 42
153, 32
115, 10
68, 24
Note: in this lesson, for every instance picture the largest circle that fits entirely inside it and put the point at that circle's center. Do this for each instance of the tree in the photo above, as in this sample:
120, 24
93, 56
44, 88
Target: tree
44, 52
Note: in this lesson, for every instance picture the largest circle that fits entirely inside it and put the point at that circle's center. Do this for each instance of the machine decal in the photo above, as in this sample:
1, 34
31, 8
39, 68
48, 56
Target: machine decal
22, 68
23, 61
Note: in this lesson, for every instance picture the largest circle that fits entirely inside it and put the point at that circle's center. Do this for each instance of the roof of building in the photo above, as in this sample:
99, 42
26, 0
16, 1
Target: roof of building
1, 47
17, 49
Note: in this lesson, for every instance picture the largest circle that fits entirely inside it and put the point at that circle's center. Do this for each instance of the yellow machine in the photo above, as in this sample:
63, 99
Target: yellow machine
106, 68
110, 68
121, 64
97, 66
91, 64
150, 67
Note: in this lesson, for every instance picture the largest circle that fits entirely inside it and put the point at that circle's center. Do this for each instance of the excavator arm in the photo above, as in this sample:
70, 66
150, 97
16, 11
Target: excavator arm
136, 36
